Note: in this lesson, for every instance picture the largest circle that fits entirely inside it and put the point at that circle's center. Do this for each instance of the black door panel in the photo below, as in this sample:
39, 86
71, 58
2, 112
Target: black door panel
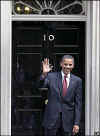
31, 43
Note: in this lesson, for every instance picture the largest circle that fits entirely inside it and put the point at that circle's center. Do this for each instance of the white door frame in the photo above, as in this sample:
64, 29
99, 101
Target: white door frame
92, 74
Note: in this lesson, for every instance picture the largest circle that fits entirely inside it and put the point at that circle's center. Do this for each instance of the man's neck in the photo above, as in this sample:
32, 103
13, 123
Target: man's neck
68, 75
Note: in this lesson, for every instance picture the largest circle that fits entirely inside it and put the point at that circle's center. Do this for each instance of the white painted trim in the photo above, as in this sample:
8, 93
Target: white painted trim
88, 72
49, 18
92, 93
95, 103
5, 68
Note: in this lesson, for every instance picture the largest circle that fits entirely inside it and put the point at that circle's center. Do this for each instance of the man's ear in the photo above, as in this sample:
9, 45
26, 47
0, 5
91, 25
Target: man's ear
73, 66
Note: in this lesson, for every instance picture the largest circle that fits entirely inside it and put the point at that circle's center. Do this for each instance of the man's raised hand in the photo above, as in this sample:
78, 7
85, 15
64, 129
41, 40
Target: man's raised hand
46, 66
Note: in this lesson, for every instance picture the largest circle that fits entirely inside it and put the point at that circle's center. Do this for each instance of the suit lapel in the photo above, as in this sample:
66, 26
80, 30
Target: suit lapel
59, 82
70, 83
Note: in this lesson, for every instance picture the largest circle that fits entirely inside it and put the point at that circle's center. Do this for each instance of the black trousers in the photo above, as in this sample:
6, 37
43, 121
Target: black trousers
57, 130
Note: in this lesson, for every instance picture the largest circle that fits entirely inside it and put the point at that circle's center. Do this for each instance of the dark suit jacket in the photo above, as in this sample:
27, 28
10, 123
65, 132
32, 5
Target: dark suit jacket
69, 105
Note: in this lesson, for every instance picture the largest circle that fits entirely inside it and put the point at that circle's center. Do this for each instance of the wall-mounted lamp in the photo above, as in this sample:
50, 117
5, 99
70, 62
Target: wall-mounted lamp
18, 9
27, 9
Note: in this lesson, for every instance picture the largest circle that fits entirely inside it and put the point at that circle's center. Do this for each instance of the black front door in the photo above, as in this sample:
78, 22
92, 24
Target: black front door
31, 43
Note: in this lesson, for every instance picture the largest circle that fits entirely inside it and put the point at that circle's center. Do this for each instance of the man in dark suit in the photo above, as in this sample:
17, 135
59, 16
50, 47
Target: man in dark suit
63, 109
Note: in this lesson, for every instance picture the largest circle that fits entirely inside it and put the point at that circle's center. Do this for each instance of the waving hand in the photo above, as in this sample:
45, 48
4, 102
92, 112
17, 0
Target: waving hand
46, 66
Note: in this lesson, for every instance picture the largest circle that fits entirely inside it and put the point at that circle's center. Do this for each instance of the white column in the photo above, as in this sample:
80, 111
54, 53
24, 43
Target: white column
95, 80
5, 68
88, 63
92, 91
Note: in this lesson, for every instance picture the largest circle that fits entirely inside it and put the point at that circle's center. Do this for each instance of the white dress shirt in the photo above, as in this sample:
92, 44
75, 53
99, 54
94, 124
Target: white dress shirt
67, 78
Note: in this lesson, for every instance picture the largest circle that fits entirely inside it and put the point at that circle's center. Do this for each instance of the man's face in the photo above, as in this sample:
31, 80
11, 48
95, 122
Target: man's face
67, 65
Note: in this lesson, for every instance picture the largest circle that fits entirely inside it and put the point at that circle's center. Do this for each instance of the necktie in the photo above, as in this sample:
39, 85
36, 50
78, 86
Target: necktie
64, 86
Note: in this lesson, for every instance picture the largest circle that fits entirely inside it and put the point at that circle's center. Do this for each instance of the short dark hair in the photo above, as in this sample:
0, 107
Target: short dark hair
67, 57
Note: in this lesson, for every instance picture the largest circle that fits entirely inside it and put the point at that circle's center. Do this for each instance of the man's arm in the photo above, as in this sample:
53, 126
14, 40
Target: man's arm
78, 103
43, 80
78, 106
